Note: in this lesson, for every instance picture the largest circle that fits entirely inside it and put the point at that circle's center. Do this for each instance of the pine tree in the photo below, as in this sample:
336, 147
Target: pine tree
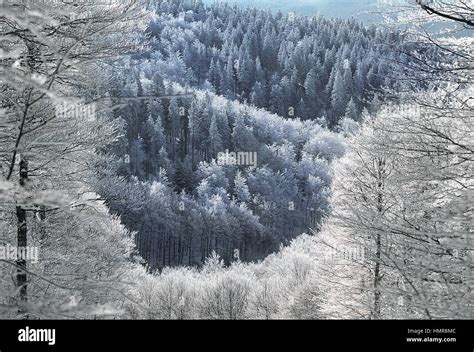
277, 100
175, 119
137, 158
242, 137
158, 86
215, 139
228, 84
351, 111
310, 87
259, 71
225, 130
155, 109
338, 99
258, 96
241, 190
215, 75
301, 110
246, 74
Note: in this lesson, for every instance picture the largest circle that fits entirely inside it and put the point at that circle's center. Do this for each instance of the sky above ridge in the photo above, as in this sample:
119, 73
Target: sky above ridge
331, 8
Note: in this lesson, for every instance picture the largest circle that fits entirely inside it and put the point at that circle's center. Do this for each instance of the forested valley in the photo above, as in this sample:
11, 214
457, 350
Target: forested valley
317, 75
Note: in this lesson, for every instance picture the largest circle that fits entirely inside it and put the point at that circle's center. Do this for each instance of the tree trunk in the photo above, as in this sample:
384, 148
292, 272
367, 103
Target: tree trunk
22, 242
378, 240
376, 312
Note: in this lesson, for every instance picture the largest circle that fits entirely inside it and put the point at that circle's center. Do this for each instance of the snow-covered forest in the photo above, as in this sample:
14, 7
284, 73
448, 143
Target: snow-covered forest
173, 159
